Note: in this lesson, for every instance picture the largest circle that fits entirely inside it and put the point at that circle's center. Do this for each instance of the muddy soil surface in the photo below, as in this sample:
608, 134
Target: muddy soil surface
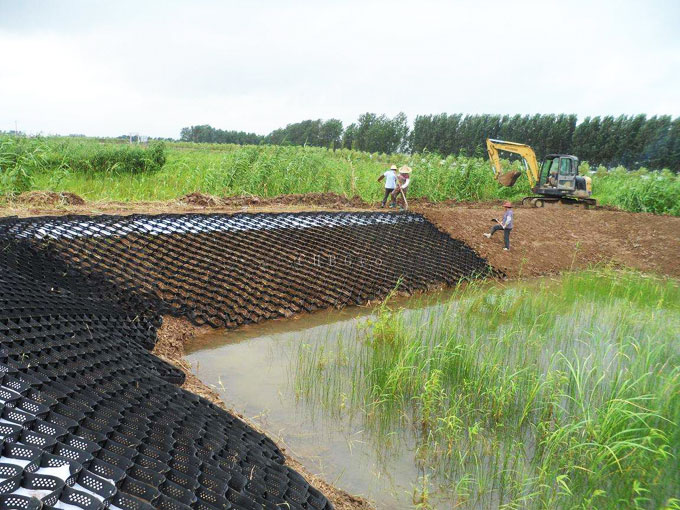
555, 239
48, 199
327, 200
47, 203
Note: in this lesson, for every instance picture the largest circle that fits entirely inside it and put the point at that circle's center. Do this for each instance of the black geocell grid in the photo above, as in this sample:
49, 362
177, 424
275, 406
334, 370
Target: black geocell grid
90, 418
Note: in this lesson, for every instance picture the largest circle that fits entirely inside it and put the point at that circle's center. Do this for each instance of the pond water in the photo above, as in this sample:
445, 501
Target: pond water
252, 370
468, 399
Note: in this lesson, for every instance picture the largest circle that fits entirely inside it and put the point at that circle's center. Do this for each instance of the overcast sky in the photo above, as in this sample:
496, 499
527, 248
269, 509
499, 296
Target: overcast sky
153, 67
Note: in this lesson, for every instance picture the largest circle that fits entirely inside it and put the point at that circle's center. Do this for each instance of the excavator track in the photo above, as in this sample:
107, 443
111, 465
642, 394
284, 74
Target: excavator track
540, 201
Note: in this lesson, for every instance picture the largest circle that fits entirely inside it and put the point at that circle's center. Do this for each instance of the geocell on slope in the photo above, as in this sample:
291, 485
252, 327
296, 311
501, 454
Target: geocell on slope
90, 418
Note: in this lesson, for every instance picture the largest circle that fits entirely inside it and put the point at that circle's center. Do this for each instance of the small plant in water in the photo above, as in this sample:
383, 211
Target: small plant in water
421, 494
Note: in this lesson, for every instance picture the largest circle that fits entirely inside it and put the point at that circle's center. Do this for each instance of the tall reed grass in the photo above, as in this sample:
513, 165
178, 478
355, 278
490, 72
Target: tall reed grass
640, 191
26, 163
562, 394
100, 170
268, 171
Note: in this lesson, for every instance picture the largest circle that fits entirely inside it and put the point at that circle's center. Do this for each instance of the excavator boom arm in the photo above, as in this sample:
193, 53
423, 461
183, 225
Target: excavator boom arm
527, 153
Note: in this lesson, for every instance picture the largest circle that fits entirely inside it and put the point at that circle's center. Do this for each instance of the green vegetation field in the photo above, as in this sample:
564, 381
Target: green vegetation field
107, 170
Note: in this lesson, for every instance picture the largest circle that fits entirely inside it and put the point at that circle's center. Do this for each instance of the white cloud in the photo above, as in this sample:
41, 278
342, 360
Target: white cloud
113, 67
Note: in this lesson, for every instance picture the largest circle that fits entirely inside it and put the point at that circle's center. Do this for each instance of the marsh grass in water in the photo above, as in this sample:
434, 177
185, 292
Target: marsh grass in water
560, 394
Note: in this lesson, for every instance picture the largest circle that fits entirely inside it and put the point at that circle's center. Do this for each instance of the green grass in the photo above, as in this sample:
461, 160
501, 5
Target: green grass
113, 171
640, 191
267, 171
554, 394
25, 163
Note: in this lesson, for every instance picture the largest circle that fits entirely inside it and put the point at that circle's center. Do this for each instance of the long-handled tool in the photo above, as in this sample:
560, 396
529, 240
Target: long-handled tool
404, 197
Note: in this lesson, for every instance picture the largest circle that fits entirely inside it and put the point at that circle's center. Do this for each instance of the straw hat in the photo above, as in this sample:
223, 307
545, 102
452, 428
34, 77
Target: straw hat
393, 167
507, 204
405, 170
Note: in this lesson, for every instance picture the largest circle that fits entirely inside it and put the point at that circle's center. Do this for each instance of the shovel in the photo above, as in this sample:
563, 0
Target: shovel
404, 197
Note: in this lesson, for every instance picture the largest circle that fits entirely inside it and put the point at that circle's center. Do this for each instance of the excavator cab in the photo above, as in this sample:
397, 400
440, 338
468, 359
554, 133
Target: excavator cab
559, 171
559, 178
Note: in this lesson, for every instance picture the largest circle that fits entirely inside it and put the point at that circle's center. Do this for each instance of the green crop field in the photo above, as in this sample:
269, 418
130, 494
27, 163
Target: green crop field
107, 170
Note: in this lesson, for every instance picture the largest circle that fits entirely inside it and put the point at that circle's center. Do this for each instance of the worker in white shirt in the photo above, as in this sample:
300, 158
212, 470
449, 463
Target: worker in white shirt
390, 177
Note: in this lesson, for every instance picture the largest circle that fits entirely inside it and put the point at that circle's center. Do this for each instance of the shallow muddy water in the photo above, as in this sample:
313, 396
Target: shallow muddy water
463, 400
252, 370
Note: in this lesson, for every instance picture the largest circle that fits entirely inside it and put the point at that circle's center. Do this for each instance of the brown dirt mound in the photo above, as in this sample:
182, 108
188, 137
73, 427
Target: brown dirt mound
199, 199
173, 335
49, 198
318, 199
326, 200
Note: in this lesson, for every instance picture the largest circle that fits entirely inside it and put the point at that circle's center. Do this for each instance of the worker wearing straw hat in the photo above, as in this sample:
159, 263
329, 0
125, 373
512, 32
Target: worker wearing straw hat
390, 177
505, 225
403, 182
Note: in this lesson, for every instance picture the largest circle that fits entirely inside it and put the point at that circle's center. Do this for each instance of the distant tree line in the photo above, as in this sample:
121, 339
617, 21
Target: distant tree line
209, 134
631, 141
453, 134
317, 132
373, 133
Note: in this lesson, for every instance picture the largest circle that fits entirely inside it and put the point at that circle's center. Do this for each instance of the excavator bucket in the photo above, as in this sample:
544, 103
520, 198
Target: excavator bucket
508, 178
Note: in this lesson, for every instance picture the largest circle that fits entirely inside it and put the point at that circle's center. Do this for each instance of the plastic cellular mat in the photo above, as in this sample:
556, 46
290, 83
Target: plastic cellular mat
90, 419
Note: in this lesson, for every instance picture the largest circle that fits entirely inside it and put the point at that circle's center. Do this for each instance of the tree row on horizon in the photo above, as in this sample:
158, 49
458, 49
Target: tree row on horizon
632, 141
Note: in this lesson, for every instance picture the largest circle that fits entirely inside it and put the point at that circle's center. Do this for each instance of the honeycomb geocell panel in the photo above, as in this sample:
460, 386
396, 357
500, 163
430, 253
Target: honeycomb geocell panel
91, 419
227, 270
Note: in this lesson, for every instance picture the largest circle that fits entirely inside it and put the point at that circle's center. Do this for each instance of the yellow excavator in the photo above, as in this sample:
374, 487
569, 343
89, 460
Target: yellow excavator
557, 180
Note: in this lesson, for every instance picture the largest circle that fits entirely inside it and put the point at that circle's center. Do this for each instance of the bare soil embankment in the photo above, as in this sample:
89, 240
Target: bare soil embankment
47, 203
554, 239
